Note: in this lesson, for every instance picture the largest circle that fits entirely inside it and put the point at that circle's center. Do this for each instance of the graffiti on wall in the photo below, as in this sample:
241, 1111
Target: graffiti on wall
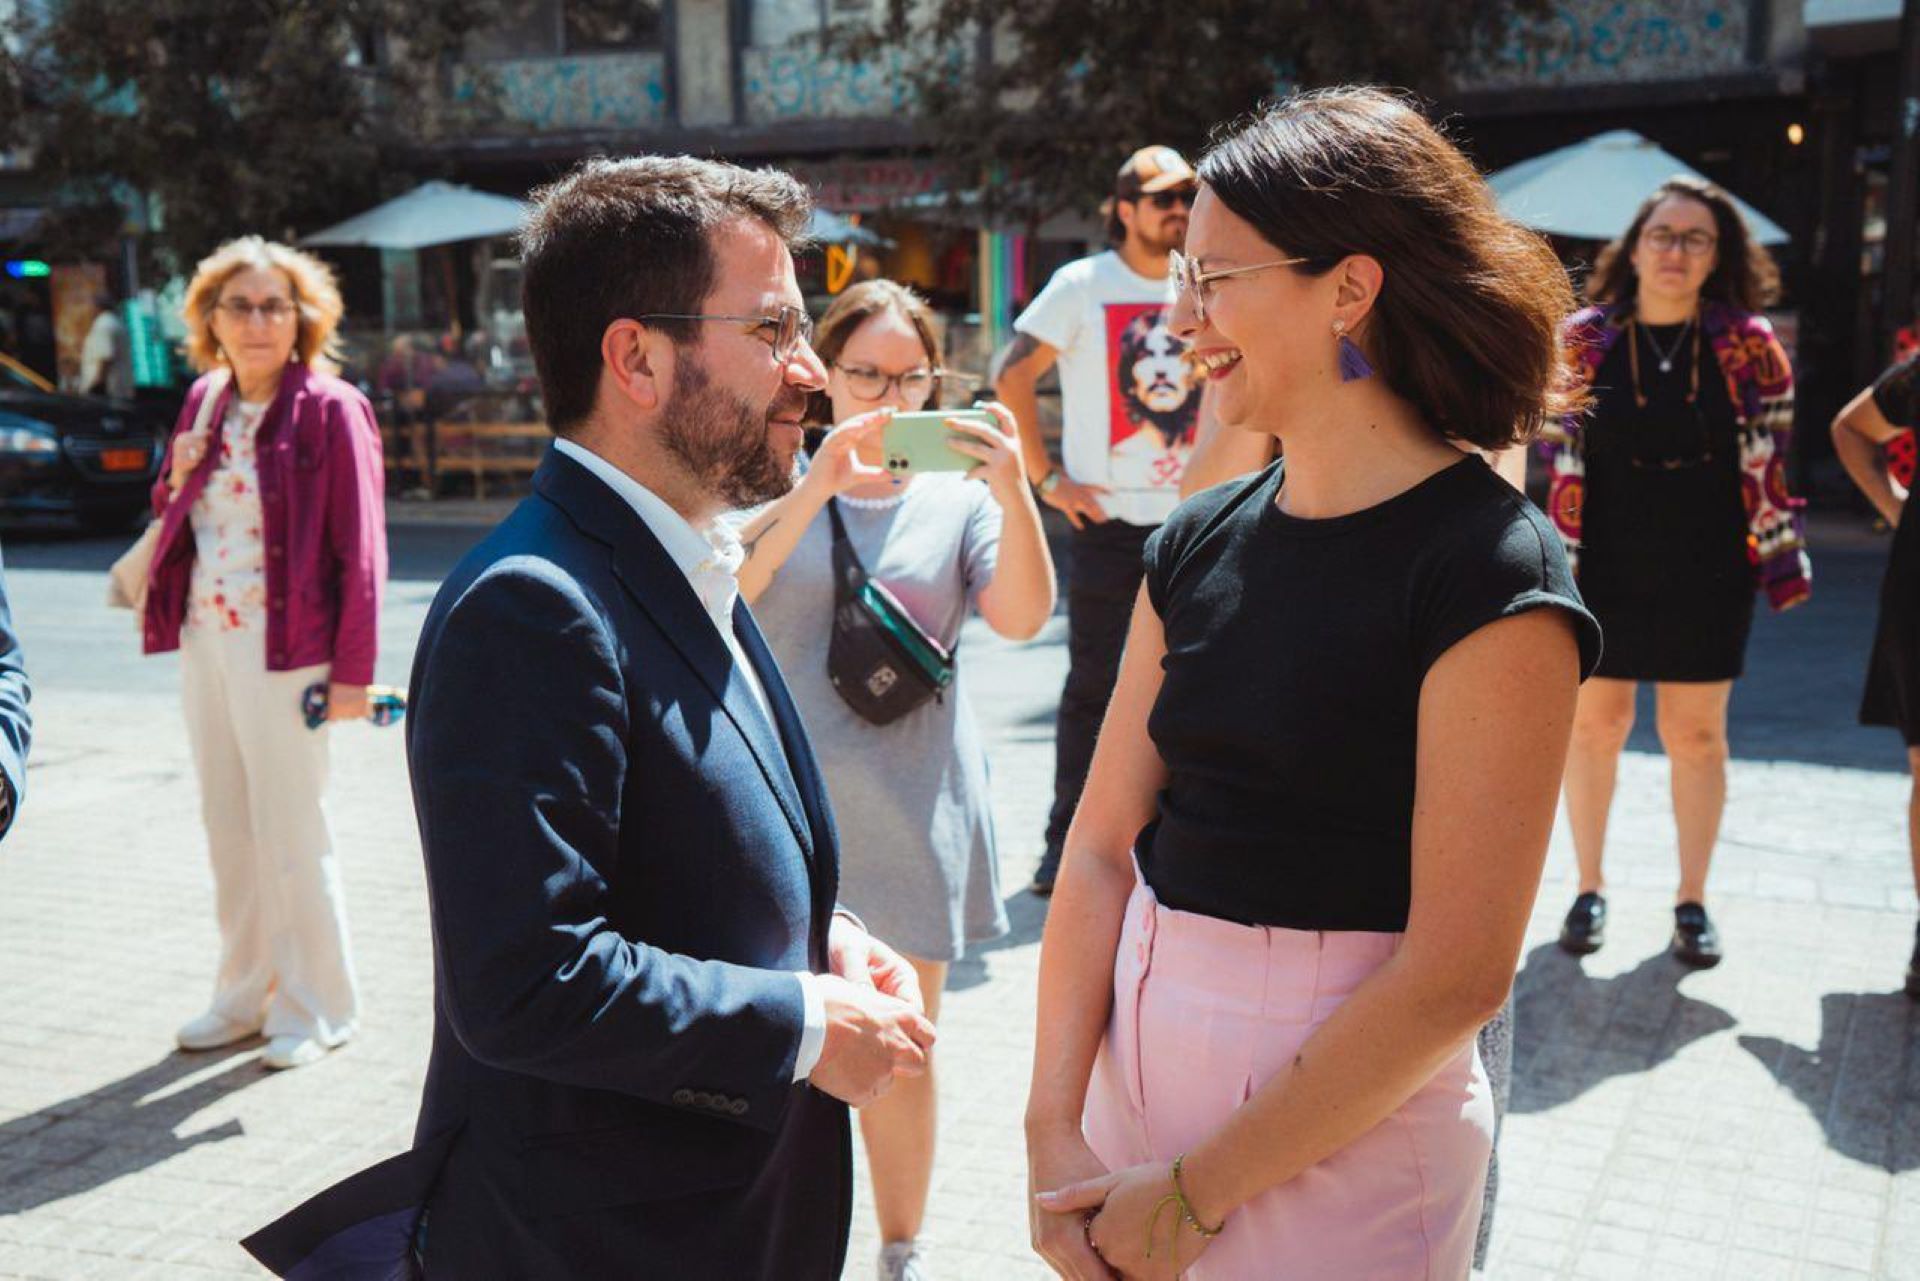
798, 82
590, 91
1617, 41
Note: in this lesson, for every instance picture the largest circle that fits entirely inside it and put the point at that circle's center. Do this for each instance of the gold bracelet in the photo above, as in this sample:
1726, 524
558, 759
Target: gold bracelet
1187, 1215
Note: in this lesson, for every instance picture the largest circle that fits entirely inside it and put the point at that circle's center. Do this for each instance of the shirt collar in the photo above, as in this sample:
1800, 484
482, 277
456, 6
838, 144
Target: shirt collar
708, 558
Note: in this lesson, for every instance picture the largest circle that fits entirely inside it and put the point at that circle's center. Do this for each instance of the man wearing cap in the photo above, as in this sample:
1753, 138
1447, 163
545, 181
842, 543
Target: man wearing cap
1129, 406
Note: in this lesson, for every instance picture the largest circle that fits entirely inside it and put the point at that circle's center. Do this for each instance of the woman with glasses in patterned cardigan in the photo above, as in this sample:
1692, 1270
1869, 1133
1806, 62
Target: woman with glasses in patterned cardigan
1672, 495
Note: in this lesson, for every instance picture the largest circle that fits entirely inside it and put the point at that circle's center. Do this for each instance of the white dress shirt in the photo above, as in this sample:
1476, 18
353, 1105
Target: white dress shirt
710, 560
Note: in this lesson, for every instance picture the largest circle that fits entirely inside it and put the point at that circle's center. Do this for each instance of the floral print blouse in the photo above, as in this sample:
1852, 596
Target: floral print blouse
229, 588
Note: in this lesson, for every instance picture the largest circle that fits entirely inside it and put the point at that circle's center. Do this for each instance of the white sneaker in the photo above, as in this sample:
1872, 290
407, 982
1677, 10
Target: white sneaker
211, 1031
903, 1261
285, 1052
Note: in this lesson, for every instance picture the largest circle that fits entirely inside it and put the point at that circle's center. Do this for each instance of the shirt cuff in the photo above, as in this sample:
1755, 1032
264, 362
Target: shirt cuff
813, 1039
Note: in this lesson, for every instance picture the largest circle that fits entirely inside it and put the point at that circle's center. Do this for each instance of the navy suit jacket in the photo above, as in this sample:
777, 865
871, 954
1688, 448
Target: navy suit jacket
625, 862
16, 726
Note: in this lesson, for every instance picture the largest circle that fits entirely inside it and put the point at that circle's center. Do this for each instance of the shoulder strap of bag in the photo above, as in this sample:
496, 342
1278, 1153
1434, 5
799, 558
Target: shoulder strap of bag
216, 388
848, 573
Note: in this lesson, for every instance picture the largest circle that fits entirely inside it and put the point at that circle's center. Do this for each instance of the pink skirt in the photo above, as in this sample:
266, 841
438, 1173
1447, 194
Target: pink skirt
1206, 1011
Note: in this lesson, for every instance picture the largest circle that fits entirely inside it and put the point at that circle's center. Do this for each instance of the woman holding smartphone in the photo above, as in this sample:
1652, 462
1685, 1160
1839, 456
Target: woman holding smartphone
910, 797
1298, 881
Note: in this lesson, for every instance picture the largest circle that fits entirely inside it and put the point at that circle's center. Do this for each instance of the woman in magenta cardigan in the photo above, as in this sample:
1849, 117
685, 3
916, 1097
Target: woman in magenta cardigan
267, 578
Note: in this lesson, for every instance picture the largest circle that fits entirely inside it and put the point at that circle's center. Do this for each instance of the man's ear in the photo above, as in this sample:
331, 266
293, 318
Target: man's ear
637, 362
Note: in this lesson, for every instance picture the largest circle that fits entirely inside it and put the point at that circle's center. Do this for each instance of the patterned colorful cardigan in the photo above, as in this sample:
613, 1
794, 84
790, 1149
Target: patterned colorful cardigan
1760, 384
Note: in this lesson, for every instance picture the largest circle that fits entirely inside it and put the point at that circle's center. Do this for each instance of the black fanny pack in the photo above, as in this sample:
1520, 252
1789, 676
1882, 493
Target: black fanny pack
883, 663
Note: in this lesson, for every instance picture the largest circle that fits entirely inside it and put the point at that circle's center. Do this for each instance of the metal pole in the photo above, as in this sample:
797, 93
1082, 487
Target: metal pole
1896, 301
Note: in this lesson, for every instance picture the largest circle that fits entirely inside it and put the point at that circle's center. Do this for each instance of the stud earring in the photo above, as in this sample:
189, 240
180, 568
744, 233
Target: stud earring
1353, 361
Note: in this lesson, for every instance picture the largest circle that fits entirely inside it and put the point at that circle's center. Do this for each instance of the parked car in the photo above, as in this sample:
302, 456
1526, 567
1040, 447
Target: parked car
75, 458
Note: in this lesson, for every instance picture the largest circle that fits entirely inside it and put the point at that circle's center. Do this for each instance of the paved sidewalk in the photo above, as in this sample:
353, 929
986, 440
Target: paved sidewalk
1761, 1120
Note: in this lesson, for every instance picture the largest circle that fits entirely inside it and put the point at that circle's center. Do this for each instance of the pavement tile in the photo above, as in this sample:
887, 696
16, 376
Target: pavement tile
1760, 1120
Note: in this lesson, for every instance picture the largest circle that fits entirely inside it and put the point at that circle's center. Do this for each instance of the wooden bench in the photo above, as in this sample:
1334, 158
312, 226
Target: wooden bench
486, 450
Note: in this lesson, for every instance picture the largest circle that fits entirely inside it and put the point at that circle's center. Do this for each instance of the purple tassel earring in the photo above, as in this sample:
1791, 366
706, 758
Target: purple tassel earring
1353, 361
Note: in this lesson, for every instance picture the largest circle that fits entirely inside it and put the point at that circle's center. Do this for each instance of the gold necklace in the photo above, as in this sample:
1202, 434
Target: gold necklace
1666, 366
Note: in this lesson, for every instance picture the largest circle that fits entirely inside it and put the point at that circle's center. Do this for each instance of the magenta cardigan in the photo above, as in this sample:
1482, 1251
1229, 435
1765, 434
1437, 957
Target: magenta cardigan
321, 485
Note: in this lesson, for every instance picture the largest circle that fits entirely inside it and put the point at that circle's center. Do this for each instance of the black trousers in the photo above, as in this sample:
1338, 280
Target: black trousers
1103, 577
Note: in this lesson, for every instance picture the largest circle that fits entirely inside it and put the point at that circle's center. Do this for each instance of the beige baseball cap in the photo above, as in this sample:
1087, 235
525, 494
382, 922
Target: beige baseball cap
1152, 169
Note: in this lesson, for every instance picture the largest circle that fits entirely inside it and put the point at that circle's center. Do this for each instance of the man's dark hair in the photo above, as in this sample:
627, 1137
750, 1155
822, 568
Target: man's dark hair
626, 238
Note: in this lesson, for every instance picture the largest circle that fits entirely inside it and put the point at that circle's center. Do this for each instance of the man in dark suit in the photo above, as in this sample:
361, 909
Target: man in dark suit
16, 725
649, 1018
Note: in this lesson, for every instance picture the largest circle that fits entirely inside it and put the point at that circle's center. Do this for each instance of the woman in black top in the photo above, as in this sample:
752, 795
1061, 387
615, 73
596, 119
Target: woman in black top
1298, 880
1673, 494
1861, 433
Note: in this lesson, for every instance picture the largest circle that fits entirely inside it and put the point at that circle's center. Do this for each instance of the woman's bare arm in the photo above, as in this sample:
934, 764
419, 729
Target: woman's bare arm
1860, 430
1096, 876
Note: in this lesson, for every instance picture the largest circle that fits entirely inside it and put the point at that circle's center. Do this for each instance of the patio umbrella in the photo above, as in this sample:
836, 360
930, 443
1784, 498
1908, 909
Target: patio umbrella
830, 228
1590, 190
434, 213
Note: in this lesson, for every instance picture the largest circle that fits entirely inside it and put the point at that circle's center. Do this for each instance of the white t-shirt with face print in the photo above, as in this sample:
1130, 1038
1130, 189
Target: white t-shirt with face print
1130, 400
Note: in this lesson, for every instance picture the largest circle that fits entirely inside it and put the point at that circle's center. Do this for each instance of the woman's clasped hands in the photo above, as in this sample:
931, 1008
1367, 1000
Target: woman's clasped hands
1129, 1224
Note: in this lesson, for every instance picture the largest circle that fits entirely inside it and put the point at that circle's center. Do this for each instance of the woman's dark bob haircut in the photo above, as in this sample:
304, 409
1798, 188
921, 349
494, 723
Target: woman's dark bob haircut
1467, 324
1744, 276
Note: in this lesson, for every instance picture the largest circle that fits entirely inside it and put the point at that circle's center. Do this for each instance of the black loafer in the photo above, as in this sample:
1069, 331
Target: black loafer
1586, 926
1913, 969
1695, 941
1043, 877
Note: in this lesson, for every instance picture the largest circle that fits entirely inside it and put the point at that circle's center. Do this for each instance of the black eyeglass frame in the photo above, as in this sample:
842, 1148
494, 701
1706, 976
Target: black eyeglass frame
791, 326
932, 373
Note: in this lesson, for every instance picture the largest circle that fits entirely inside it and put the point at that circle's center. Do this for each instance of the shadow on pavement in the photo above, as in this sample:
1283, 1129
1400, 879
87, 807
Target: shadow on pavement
1572, 1032
1860, 1080
122, 1128
1026, 918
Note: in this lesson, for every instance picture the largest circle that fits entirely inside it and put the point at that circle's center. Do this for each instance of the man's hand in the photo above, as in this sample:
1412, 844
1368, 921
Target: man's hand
860, 958
1081, 503
871, 1038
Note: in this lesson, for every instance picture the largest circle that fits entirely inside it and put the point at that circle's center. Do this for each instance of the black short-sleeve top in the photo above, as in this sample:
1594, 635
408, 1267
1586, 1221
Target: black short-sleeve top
1896, 393
1288, 709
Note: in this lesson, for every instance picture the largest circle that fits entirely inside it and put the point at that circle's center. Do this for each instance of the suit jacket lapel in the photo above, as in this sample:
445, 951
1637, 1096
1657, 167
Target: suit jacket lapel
656, 584
793, 733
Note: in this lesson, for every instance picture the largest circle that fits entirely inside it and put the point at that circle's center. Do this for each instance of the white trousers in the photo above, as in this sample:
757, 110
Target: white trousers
284, 958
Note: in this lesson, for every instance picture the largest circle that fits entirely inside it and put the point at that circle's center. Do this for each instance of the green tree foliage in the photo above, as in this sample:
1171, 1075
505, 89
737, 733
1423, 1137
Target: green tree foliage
1075, 85
227, 116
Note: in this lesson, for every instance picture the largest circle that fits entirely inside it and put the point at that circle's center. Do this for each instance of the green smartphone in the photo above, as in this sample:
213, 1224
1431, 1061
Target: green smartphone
917, 442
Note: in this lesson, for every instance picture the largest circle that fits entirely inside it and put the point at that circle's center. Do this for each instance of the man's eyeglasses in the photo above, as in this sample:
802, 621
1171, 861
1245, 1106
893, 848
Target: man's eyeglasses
274, 311
783, 331
1165, 200
870, 384
1188, 279
1695, 244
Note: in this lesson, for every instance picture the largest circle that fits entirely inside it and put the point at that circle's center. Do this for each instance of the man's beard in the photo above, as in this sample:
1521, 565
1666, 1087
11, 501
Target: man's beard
1169, 237
723, 440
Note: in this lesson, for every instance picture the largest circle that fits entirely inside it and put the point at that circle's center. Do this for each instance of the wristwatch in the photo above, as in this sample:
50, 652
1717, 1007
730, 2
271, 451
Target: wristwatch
1049, 482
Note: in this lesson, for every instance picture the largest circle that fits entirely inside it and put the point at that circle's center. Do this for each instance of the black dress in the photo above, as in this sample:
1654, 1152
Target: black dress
1663, 560
1893, 673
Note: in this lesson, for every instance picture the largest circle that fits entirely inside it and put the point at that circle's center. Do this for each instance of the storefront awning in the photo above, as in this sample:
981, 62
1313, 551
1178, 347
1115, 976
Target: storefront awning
1591, 190
1851, 28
